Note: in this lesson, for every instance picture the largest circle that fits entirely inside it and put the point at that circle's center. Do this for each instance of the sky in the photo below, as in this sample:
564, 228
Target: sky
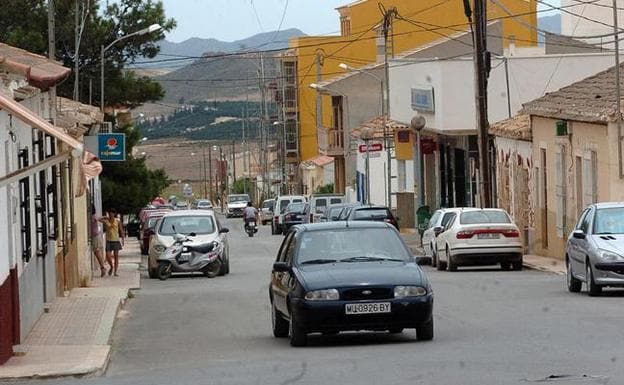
230, 20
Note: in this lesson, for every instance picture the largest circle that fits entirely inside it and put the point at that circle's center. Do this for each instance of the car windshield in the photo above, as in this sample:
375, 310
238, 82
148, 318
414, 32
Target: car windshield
609, 221
295, 207
346, 245
267, 205
151, 222
370, 214
483, 216
238, 198
198, 224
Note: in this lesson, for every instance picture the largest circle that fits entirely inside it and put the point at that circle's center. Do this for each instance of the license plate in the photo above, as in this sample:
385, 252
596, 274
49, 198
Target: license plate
184, 257
297, 216
252, 223
488, 236
367, 308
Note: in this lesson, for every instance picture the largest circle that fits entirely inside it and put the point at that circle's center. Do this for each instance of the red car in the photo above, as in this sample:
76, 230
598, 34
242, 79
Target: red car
147, 229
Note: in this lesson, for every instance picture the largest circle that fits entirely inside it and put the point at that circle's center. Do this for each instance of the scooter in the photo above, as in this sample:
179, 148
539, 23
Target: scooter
251, 228
182, 257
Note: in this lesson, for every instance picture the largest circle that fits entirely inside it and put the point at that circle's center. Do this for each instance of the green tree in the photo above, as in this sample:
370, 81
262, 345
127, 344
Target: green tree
327, 189
242, 186
23, 23
128, 186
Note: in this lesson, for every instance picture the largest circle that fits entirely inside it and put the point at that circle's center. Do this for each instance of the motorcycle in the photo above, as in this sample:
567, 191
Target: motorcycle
251, 228
182, 257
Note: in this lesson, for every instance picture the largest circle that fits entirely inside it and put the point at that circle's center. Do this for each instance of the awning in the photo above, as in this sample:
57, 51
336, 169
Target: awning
90, 166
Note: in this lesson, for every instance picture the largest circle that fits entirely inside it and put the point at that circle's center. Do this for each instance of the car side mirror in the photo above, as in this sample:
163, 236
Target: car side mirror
579, 234
281, 267
438, 230
224, 230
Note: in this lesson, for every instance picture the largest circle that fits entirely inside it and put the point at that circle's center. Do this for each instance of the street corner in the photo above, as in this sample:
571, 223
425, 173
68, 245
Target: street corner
44, 361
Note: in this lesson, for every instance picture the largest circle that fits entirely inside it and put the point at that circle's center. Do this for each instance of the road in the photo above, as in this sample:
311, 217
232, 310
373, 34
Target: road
492, 327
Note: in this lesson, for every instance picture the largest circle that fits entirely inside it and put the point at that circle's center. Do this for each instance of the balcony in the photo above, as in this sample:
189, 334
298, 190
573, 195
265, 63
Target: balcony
330, 141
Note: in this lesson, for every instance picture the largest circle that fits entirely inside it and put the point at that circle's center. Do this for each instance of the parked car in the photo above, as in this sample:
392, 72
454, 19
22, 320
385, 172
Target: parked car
266, 211
373, 213
202, 225
202, 204
295, 214
346, 211
479, 237
320, 202
595, 249
338, 276
147, 230
332, 213
181, 205
236, 204
438, 220
281, 202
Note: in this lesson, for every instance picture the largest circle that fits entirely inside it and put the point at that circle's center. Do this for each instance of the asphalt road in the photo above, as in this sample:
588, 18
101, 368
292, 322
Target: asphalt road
492, 327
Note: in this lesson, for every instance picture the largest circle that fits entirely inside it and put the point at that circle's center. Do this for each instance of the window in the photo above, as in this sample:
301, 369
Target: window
446, 218
434, 219
186, 225
24, 204
281, 256
483, 216
590, 180
579, 224
345, 26
586, 221
334, 201
423, 100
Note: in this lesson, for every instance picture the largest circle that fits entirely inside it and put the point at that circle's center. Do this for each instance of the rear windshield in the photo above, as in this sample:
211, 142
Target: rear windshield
321, 202
295, 207
238, 198
349, 243
283, 204
268, 204
483, 216
371, 214
333, 201
185, 225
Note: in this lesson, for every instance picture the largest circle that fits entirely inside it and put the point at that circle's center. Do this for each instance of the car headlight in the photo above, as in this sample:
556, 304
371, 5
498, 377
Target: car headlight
323, 295
409, 291
609, 256
160, 248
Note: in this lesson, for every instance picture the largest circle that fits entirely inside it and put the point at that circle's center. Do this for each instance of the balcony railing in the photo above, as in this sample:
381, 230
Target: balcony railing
330, 141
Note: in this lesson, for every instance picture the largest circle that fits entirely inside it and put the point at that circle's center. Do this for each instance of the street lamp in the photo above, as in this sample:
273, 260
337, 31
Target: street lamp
150, 29
385, 107
417, 124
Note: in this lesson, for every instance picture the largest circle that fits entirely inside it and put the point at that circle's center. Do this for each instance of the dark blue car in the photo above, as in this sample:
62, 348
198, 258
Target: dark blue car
341, 276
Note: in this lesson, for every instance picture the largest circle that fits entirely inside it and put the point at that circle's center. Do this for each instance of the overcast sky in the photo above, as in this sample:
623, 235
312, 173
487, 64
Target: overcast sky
230, 20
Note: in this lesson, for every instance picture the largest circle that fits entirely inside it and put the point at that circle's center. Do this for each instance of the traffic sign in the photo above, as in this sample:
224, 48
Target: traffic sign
372, 147
187, 190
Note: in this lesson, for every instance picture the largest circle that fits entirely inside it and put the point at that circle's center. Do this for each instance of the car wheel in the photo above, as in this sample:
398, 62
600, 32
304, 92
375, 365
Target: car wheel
592, 289
298, 336
505, 266
434, 261
424, 332
224, 266
395, 330
440, 265
280, 325
452, 266
574, 284
164, 271
213, 269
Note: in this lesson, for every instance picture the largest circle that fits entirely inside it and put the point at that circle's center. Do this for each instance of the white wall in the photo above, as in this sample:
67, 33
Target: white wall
530, 77
596, 13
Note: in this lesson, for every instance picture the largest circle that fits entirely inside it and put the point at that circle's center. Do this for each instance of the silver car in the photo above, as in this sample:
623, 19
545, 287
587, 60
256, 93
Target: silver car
595, 249
202, 225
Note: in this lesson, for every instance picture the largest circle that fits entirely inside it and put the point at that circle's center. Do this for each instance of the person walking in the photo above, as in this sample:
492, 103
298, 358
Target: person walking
97, 241
114, 239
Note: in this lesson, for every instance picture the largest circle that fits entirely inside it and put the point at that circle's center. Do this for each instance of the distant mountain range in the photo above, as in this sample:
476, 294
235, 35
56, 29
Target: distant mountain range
550, 23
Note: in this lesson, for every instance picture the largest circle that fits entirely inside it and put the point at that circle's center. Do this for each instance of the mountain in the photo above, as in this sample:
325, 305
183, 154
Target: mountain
197, 47
550, 23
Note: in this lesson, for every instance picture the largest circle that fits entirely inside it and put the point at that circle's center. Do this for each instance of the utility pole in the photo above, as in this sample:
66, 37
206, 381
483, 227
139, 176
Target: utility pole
204, 158
387, 28
76, 49
482, 70
210, 173
618, 91
233, 162
263, 136
51, 35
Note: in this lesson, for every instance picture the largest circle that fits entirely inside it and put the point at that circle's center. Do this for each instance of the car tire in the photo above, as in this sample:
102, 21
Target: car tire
574, 284
593, 290
163, 271
280, 325
298, 335
424, 332
434, 261
441, 265
451, 265
213, 269
225, 266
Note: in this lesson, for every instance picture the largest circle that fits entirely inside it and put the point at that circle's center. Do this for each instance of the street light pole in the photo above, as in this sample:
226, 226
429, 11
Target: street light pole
103, 49
366, 135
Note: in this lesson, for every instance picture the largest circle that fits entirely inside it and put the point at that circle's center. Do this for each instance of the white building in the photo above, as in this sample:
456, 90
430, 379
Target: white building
584, 18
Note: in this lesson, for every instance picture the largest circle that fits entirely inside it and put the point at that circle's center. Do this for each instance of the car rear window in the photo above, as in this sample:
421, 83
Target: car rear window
187, 224
268, 204
347, 243
483, 216
334, 201
283, 204
321, 202
371, 214
295, 207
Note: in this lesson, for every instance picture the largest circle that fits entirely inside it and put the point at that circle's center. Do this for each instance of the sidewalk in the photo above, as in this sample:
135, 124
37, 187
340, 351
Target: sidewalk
535, 262
73, 336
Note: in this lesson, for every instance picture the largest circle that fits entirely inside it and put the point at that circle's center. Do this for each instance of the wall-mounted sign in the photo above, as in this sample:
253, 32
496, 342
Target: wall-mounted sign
372, 147
112, 147
423, 100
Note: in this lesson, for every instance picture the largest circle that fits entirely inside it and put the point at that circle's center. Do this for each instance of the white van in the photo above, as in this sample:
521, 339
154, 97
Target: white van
319, 203
278, 210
